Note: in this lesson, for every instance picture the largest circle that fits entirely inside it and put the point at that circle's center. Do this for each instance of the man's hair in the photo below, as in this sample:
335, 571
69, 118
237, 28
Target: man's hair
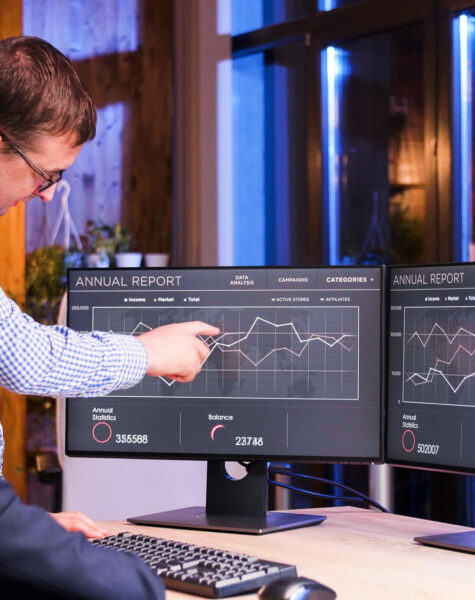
40, 92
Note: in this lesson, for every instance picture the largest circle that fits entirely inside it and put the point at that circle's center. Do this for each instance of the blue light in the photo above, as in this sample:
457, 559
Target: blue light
325, 5
75, 30
96, 175
462, 142
246, 15
249, 167
224, 164
334, 69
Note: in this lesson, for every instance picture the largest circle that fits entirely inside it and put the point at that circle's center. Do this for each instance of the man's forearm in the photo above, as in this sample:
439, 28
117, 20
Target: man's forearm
56, 361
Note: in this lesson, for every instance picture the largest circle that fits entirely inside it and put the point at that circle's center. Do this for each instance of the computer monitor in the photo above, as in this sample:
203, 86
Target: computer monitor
431, 369
294, 375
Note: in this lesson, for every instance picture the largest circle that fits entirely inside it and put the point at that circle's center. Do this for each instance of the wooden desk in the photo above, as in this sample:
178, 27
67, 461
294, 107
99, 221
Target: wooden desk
362, 554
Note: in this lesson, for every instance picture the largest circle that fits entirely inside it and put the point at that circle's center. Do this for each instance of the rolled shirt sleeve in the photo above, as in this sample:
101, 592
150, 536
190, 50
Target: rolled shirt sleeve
57, 361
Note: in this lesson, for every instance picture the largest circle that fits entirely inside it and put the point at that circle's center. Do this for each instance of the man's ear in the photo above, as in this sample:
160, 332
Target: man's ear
3, 143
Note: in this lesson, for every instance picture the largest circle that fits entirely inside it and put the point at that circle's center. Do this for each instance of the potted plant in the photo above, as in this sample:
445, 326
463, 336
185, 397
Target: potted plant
159, 259
98, 244
45, 283
123, 242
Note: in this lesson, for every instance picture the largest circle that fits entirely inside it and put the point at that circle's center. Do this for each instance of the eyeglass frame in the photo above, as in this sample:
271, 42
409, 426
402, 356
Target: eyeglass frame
50, 180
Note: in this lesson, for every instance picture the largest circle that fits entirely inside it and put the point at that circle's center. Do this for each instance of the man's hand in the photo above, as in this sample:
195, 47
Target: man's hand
174, 351
76, 521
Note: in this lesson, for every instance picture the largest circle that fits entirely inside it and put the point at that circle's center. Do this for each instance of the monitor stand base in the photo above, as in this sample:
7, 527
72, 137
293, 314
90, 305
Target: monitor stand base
463, 541
196, 517
238, 506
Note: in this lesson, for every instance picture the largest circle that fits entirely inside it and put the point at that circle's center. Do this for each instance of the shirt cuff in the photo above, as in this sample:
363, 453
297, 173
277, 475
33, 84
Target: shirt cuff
134, 361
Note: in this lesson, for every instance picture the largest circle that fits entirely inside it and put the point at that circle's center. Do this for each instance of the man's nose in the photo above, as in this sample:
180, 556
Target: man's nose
47, 195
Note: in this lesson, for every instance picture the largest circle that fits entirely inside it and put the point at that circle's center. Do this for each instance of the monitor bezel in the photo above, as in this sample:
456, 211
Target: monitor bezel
407, 464
248, 456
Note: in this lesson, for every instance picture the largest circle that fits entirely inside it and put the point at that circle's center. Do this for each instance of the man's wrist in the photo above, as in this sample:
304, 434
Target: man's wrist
135, 361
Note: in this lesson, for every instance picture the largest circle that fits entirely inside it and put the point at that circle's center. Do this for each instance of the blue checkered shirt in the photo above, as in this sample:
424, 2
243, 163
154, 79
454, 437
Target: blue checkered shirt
56, 361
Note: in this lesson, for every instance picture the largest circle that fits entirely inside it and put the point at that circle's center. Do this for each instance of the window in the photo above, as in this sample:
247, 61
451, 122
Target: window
248, 15
373, 148
269, 168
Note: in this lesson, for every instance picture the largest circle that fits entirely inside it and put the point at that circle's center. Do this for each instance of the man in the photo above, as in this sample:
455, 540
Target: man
46, 116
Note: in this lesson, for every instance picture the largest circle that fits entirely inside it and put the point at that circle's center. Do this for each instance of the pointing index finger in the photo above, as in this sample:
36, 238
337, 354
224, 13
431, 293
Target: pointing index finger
201, 328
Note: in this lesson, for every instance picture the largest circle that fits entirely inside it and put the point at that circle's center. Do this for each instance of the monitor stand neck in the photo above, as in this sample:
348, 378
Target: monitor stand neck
246, 497
232, 505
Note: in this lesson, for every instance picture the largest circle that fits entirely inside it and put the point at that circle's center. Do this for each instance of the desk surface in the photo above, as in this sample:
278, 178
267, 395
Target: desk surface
361, 554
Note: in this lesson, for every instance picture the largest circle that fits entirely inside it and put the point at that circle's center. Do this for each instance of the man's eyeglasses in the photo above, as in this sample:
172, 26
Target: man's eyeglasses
49, 180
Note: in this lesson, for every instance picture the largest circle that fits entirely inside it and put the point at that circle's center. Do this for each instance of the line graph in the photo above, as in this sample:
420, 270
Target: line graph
439, 355
213, 343
313, 352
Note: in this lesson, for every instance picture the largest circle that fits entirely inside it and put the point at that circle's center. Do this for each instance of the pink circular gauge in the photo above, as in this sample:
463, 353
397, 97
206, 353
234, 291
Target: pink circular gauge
214, 430
408, 440
102, 432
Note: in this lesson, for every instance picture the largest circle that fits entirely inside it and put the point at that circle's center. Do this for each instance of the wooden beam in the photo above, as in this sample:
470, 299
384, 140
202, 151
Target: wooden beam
12, 280
10, 18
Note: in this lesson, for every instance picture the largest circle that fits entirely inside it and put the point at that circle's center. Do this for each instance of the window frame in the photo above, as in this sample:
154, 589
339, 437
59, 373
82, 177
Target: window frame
372, 17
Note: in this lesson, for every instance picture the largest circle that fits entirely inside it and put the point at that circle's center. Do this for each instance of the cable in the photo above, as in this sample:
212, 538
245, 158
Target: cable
361, 497
278, 471
318, 494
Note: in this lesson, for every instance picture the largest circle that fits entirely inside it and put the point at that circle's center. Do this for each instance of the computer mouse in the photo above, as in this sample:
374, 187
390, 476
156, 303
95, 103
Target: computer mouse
295, 588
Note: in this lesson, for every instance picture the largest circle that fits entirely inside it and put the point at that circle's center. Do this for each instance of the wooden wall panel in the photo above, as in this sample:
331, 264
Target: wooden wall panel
12, 252
10, 18
122, 50
12, 267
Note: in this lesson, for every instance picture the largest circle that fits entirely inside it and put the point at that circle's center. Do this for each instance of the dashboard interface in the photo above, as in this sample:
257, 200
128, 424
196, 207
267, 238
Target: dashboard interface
431, 403
295, 371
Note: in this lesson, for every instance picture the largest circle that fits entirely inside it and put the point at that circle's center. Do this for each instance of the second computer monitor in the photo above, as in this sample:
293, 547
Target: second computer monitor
294, 374
431, 375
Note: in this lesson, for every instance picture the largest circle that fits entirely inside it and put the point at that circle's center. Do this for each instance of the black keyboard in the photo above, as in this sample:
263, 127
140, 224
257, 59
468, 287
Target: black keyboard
199, 570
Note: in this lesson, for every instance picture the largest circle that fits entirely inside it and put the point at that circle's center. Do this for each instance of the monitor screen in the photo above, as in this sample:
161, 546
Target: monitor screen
431, 364
294, 374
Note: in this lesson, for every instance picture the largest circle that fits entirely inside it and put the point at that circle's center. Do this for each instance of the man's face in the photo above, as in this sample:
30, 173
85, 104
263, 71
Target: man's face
20, 183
